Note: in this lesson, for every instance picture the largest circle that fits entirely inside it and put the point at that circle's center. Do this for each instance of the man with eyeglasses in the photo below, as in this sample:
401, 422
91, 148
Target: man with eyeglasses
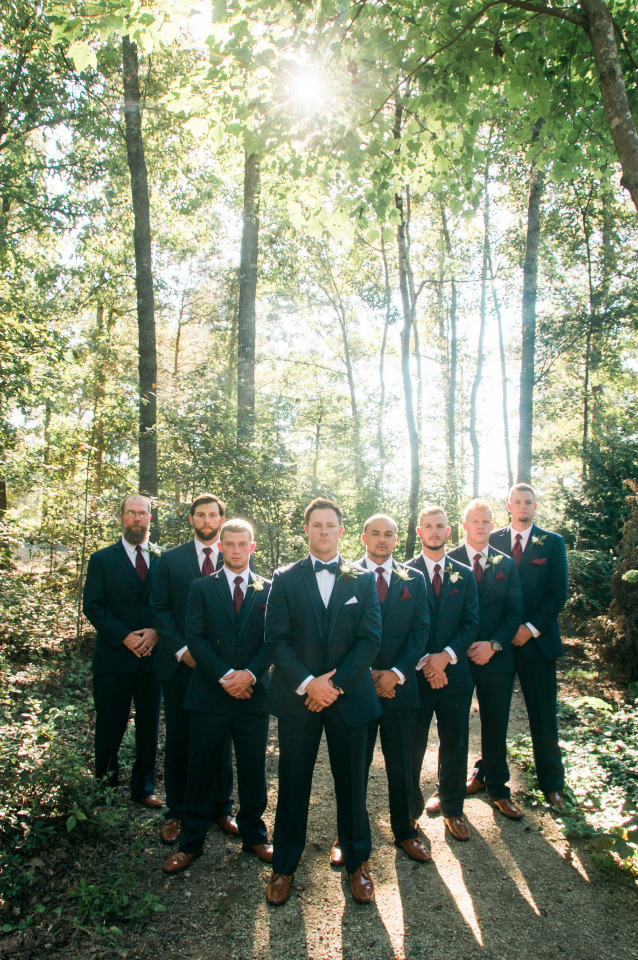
117, 603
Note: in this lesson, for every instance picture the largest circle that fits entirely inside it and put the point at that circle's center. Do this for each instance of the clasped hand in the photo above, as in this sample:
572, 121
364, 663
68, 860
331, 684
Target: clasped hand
238, 684
141, 642
480, 652
384, 683
434, 669
321, 692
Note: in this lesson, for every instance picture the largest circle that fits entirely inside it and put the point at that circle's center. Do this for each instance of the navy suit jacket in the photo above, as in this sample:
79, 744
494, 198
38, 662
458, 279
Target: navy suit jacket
454, 622
404, 633
304, 637
116, 602
176, 570
543, 576
221, 640
500, 608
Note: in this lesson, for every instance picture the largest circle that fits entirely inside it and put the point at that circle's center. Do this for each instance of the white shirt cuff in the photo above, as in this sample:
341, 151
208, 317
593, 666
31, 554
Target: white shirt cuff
227, 674
180, 653
399, 675
301, 689
535, 632
423, 660
453, 656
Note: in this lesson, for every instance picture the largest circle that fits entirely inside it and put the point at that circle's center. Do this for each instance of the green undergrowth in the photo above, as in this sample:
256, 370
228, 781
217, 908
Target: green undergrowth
600, 746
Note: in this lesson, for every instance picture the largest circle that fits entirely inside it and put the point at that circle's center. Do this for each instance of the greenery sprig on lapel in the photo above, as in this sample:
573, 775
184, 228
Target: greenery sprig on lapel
257, 584
154, 549
495, 559
540, 540
453, 574
402, 574
348, 570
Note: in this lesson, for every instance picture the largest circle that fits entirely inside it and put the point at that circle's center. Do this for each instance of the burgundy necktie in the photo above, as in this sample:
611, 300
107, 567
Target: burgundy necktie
382, 587
517, 550
140, 563
478, 569
207, 565
436, 580
238, 594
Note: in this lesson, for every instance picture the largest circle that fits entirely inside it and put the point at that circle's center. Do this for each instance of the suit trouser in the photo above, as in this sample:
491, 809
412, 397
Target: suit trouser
176, 752
494, 695
209, 736
397, 729
298, 747
452, 721
539, 686
113, 695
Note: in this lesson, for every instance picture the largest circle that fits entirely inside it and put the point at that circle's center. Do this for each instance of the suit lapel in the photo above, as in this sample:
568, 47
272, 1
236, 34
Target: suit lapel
191, 556
220, 580
127, 566
529, 548
336, 598
421, 565
310, 579
153, 560
489, 574
247, 605
394, 592
447, 583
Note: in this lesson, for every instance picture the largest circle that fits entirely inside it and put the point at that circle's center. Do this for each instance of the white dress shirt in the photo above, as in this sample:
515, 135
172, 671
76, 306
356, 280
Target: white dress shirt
387, 576
131, 551
430, 564
525, 535
325, 582
243, 586
472, 551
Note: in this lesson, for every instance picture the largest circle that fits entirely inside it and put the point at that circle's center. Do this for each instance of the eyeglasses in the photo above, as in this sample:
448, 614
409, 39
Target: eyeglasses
131, 514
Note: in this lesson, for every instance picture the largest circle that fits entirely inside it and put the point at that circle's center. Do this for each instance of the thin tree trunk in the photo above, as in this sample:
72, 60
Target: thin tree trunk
501, 350
143, 277
528, 351
478, 375
384, 343
452, 480
247, 298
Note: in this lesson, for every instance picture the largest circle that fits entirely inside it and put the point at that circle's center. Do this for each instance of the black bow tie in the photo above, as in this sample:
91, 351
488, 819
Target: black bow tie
330, 567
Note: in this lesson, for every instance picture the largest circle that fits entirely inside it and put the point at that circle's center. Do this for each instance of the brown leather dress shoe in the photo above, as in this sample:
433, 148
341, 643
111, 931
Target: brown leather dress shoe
415, 849
336, 856
458, 827
474, 785
180, 861
433, 807
228, 825
152, 802
556, 799
171, 831
507, 808
361, 884
261, 850
278, 888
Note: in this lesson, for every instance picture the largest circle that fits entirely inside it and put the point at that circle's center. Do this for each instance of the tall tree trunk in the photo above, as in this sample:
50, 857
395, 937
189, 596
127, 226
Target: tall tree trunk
384, 343
356, 428
528, 352
452, 479
501, 350
143, 277
478, 375
247, 298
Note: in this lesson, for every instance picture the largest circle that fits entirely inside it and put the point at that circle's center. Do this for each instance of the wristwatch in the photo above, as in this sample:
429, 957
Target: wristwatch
495, 645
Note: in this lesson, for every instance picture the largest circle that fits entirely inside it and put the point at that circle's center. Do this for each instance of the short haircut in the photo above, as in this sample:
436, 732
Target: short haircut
477, 504
237, 526
203, 498
430, 508
524, 488
322, 503
140, 496
380, 518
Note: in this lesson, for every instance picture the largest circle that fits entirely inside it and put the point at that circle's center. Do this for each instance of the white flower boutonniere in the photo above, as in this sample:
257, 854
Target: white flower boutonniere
402, 574
154, 549
453, 574
495, 559
256, 584
347, 570
540, 540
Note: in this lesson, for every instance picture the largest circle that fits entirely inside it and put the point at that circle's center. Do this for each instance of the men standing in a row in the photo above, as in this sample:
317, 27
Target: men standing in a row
323, 630
542, 566
490, 656
445, 681
404, 635
225, 633
116, 601
176, 571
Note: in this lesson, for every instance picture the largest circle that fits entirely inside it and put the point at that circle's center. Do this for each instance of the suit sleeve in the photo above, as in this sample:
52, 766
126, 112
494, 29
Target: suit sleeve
469, 621
512, 609
96, 607
208, 660
357, 660
417, 642
278, 634
554, 596
170, 635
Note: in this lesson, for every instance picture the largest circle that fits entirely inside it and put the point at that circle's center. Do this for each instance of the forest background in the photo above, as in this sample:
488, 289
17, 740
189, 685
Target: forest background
380, 251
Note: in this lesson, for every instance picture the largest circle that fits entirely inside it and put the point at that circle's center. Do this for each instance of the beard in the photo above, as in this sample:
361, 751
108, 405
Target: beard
208, 534
135, 535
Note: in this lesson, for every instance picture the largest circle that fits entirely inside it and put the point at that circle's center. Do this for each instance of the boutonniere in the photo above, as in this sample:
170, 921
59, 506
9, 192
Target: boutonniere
347, 570
453, 574
540, 540
495, 559
154, 549
402, 574
256, 584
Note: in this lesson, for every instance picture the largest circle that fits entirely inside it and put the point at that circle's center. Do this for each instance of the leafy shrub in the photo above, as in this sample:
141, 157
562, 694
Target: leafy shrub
590, 573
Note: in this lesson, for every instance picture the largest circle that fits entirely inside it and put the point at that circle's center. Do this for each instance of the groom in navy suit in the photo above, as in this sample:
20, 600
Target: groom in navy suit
176, 571
323, 630
117, 602
542, 567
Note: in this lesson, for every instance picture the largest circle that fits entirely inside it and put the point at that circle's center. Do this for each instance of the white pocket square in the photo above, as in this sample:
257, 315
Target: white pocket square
351, 600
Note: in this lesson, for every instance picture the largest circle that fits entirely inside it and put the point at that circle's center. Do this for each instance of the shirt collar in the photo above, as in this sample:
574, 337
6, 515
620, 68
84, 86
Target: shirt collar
200, 547
471, 551
525, 534
372, 564
430, 564
130, 547
230, 576
331, 560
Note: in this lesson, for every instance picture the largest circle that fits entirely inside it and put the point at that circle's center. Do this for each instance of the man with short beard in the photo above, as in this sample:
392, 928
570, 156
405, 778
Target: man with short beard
176, 571
116, 601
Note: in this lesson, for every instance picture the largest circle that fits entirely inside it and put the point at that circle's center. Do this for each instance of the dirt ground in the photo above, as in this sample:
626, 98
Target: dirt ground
517, 889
